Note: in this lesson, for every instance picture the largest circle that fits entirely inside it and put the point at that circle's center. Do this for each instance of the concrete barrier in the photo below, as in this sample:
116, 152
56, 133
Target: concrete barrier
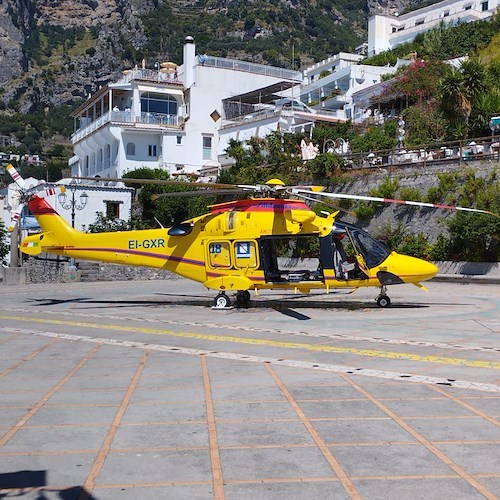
13, 276
464, 272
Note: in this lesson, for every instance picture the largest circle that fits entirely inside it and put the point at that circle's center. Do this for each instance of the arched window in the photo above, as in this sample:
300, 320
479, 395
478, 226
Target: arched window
152, 102
130, 149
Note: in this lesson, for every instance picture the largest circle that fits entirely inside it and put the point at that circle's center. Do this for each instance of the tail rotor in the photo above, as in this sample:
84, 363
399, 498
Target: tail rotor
27, 193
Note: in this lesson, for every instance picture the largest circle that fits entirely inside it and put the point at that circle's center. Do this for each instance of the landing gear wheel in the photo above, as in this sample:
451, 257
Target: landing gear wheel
243, 297
222, 301
383, 301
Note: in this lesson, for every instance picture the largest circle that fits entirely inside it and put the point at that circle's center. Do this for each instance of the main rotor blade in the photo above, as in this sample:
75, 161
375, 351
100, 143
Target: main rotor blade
205, 192
16, 176
162, 182
390, 200
327, 203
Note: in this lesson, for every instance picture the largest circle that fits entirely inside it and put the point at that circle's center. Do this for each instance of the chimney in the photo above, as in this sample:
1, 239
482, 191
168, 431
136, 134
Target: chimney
189, 55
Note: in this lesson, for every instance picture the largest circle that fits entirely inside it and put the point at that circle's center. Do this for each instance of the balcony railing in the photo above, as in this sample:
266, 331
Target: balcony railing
471, 14
259, 69
151, 75
128, 118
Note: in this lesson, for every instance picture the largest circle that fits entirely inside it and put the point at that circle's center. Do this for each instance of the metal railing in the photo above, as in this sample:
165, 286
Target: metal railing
150, 75
127, 117
259, 69
463, 152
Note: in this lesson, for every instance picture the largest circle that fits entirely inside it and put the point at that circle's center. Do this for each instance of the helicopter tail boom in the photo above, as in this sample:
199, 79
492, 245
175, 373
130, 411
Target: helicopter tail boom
56, 232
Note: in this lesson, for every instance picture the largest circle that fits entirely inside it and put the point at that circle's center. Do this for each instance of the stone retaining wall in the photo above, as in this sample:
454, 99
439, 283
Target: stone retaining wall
54, 271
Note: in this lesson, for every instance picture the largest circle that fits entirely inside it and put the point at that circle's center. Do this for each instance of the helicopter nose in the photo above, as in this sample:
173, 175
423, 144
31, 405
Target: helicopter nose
411, 269
427, 270
421, 270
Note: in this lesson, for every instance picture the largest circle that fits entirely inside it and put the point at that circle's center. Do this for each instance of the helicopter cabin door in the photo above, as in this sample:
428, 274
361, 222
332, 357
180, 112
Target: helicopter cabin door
290, 258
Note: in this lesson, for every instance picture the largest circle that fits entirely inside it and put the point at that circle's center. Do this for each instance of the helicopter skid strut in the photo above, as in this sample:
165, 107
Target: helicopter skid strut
383, 299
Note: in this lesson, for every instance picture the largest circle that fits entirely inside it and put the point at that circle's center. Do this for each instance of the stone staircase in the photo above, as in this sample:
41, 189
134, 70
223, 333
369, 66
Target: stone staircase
89, 271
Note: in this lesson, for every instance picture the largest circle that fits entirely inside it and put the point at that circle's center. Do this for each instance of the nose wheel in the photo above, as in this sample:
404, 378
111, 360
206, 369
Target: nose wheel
222, 301
383, 299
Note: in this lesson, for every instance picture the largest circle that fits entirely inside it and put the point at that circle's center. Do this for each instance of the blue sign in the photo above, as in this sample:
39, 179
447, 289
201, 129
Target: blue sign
243, 250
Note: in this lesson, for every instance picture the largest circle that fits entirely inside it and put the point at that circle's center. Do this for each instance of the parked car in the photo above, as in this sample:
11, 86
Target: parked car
293, 104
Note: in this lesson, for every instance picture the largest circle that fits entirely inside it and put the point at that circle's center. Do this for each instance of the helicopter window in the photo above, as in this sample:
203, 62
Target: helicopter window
372, 250
220, 254
245, 254
231, 220
344, 258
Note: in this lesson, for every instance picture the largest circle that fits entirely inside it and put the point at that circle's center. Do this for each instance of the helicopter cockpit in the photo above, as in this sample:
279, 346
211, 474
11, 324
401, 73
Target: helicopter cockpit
348, 250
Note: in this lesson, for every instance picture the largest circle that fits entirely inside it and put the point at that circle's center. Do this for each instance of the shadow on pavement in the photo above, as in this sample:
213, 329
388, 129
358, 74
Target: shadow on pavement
20, 483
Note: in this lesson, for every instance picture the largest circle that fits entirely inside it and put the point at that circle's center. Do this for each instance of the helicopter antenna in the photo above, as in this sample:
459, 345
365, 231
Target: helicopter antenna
159, 223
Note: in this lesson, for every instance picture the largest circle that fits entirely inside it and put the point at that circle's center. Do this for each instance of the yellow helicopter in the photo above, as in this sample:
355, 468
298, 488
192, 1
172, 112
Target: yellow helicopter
239, 246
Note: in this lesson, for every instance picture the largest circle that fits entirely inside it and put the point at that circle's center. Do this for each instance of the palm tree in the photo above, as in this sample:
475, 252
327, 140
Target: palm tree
454, 96
486, 105
461, 89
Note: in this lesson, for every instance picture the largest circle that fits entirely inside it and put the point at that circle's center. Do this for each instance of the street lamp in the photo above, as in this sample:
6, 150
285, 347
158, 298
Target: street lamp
72, 203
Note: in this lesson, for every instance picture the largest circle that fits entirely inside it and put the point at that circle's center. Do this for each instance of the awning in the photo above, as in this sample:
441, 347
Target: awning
263, 95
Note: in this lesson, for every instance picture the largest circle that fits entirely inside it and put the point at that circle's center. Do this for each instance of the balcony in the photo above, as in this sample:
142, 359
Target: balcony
257, 69
150, 75
454, 18
128, 119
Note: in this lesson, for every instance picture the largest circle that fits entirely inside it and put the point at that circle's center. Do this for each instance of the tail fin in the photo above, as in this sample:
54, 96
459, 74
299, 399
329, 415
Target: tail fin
56, 232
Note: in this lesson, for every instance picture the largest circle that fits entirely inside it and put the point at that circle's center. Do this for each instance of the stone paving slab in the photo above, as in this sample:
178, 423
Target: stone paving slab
412, 488
115, 412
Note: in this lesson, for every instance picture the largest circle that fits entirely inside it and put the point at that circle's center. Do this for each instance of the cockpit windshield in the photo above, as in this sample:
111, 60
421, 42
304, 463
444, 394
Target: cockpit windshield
374, 252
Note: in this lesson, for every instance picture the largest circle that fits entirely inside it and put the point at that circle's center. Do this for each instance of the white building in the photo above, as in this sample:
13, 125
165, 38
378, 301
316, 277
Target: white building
90, 199
167, 117
331, 83
111, 200
261, 112
388, 31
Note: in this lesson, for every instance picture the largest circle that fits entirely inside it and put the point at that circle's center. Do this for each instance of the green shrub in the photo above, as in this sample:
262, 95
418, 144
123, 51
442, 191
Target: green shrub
441, 249
415, 245
392, 236
474, 237
433, 195
410, 194
386, 189
365, 210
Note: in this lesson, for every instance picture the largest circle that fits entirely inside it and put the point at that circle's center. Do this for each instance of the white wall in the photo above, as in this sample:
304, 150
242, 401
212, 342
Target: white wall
381, 34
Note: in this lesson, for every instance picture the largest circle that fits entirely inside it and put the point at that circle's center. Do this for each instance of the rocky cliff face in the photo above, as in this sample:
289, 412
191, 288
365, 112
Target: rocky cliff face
37, 70
57, 51
12, 37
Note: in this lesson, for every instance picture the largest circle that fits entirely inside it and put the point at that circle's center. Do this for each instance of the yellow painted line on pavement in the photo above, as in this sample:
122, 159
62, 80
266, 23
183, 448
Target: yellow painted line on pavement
262, 342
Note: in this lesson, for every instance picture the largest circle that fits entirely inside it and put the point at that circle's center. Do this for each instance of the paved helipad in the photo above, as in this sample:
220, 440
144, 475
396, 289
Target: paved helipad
139, 390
